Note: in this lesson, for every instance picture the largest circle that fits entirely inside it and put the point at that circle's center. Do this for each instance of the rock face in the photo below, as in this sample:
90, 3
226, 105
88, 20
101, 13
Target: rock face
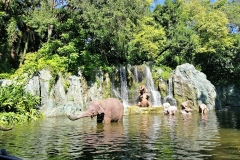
56, 100
71, 95
227, 96
193, 85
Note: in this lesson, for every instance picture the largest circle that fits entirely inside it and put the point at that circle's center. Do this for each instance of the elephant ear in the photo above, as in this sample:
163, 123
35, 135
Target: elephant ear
101, 109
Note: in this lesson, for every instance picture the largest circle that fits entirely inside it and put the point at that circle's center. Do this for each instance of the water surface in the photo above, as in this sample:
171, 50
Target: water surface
149, 136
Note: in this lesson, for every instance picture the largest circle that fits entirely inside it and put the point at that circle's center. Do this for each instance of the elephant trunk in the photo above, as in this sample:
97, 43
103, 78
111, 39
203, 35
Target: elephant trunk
76, 117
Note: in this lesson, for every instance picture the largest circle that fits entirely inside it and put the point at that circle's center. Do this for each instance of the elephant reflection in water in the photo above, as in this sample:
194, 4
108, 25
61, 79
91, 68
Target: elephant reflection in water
144, 125
107, 136
187, 124
204, 119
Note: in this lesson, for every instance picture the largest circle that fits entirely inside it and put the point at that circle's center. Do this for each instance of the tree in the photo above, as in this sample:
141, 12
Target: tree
148, 38
181, 39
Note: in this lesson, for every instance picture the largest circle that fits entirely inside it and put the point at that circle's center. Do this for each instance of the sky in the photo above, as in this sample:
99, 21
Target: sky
155, 2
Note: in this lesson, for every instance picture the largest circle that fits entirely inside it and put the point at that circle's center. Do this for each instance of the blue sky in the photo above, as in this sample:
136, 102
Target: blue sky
155, 2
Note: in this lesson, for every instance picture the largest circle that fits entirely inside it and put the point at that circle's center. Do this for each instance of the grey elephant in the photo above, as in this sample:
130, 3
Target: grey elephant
107, 110
202, 108
171, 110
5, 129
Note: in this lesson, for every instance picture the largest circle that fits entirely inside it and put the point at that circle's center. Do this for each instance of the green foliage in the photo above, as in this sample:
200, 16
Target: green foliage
17, 105
147, 40
181, 41
12, 31
5, 76
50, 48
93, 63
27, 69
166, 72
55, 64
40, 18
162, 71
98, 35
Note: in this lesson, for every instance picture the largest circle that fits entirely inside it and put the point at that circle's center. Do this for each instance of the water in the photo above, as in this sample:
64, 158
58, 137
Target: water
147, 136
124, 89
155, 95
169, 98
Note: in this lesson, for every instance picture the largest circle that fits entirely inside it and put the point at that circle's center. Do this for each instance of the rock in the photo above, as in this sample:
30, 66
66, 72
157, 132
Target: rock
227, 95
70, 95
192, 84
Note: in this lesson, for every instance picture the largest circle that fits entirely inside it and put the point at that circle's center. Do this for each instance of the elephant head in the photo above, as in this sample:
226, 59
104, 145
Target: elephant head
142, 89
95, 108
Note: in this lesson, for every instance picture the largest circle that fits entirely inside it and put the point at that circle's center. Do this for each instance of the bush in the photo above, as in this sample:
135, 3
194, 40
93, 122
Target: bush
17, 105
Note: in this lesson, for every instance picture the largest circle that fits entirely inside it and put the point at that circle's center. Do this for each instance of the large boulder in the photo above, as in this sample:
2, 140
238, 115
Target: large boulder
63, 96
191, 84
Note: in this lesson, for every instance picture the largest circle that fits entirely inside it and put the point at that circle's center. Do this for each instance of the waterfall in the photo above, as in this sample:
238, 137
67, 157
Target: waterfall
155, 95
169, 98
135, 74
124, 89
170, 88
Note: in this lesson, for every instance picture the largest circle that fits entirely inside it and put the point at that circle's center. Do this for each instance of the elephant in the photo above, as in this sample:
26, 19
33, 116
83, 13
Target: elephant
187, 103
142, 93
5, 129
171, 110
166, 105
142, 89
144, 103
202, 108
143, 97
107, 110
186, 106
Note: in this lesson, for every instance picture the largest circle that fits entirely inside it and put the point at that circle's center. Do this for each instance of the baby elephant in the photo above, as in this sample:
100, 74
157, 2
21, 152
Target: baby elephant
202, 108
172, 110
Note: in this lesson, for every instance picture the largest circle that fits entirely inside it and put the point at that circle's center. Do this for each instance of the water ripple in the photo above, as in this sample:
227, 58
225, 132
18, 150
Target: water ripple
150, 137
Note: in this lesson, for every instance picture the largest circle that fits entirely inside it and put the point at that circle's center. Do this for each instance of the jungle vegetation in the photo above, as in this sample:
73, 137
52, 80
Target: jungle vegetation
68, 35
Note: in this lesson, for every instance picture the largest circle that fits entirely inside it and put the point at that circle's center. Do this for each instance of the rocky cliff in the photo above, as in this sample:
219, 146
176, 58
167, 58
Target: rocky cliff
70, 95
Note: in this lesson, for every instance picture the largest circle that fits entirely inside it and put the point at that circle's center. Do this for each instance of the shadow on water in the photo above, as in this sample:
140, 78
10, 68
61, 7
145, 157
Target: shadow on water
147, 136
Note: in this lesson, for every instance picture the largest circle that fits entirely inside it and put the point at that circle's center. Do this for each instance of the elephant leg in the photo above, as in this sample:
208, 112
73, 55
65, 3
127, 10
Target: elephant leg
139, 104
107, 119
149, 104
120, 120
205, 111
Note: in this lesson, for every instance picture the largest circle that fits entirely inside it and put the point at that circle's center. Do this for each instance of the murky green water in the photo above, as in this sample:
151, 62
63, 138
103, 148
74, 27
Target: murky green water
154, 136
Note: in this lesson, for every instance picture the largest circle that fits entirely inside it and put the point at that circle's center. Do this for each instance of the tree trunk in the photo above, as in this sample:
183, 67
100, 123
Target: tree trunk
25, 47
50, 29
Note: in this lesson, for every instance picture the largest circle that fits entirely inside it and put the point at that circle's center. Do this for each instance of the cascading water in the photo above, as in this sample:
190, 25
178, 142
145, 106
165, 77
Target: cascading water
135, 74
155, 95
124, 89
170, 89
169, 98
